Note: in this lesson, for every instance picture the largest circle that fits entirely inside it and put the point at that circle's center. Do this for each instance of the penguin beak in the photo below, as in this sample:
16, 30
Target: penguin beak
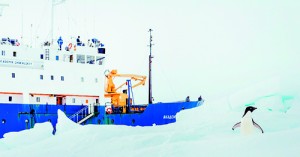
254, 108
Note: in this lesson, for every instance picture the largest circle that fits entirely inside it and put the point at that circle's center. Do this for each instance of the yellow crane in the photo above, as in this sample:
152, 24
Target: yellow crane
119, 99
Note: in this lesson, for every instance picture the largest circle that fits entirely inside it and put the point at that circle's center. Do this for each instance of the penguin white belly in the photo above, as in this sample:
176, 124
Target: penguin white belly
247, 126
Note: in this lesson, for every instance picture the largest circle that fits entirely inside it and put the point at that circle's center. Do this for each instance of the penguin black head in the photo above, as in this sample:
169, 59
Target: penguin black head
249, 108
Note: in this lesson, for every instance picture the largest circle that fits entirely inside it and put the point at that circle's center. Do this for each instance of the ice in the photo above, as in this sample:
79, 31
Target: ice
64, 123
41, 132
201, 131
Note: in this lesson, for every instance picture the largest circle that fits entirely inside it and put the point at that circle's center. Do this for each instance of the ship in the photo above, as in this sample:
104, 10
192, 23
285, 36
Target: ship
36, 82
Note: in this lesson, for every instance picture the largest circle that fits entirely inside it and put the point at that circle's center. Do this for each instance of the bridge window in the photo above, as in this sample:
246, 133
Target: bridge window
15, 54
73, 100
42, 56
82, 79
62, 78
81, 59
57, 58
13, 75
3, 53
41, 77
99, 60
52, 77
90, 59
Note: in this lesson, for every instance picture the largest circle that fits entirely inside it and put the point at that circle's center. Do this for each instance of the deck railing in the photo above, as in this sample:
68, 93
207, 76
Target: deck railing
84, 112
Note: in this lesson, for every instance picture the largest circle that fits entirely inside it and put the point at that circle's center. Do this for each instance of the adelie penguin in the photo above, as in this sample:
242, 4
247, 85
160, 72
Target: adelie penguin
247, 124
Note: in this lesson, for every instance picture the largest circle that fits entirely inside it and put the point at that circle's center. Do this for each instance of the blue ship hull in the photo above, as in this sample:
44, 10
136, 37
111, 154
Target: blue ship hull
17, 117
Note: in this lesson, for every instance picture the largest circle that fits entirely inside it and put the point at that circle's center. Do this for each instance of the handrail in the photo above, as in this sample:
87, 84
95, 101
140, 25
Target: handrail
84, 112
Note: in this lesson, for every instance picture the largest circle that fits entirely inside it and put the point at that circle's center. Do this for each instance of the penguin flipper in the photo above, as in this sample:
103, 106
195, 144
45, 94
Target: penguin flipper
257, 126
236, 125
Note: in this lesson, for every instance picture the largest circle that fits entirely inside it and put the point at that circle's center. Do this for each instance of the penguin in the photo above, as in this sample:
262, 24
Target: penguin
247, 124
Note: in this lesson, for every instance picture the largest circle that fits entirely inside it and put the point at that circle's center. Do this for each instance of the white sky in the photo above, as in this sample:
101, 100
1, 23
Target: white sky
201, 47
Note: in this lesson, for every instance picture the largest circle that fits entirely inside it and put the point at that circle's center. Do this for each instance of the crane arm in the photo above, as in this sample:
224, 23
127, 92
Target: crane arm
111, 86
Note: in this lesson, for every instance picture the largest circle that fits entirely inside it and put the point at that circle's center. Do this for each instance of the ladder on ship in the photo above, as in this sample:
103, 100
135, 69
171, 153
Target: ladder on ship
47, 57
83, 114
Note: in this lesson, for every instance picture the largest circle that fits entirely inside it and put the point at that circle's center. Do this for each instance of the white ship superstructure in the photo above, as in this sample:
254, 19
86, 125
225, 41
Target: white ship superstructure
64, 74
47, 75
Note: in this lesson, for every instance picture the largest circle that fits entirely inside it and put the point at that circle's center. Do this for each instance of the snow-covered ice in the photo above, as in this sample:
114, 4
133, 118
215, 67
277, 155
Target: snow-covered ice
205, 130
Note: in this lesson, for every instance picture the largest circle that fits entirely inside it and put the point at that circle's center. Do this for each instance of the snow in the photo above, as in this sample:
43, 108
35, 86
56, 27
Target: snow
205, 130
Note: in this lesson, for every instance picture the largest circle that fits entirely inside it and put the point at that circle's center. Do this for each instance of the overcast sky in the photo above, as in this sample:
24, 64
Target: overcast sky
208, 47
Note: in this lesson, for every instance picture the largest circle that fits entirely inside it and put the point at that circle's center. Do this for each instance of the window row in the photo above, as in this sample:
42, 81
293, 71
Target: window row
14, 53
80, 58
62, 78
38, 99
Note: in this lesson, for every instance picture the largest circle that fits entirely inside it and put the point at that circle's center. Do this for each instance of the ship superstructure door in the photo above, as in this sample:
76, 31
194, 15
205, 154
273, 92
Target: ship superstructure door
60, 100
71, 58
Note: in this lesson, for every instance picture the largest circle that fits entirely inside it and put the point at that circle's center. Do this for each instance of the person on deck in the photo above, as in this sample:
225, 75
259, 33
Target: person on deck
60, 42
187, 99
79, 42
200, 98
94, 40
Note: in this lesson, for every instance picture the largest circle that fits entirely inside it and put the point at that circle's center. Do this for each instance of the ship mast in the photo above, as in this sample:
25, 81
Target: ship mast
52, 21
150, 68
53, 4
